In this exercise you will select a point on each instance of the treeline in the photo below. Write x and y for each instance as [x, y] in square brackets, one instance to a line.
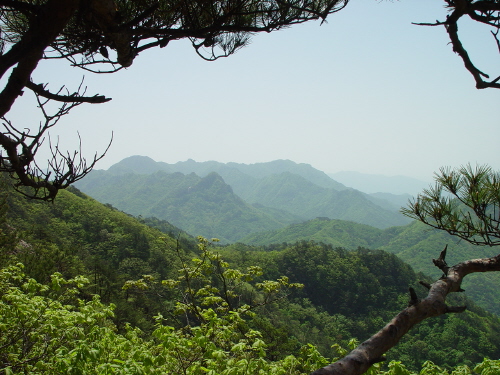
[345, 295]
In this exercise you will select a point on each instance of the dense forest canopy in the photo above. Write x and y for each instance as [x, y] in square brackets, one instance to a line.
[99, 268]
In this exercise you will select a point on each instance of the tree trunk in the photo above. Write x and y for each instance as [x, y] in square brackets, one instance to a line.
[25, 54]
[372, 350]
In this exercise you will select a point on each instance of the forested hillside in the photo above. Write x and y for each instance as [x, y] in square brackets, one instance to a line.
[230, 201]
[76, 235]
[346, 294]
[415, 243]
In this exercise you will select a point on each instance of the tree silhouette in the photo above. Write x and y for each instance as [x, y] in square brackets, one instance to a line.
[104, 36]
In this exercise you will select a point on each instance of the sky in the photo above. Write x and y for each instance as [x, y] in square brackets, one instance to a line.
[367, 92]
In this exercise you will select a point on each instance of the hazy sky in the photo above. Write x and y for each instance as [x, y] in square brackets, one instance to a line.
[367, 91]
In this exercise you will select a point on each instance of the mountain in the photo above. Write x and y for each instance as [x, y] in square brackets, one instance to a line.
[238, 175]
[204, 206]
[247, 198]
[390, 201]
[301, 197]
[372, 183]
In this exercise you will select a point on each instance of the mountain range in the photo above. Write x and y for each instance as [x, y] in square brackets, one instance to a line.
[230, 200]
[278, 202]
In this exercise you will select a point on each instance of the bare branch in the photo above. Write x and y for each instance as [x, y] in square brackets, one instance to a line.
[452, 29]
[495, 35]
[485, 12]
[21, 147]
[437, 23]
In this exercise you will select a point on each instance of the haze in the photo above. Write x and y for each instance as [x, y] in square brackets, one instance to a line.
[367, 91]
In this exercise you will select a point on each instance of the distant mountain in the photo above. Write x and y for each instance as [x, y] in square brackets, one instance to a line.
[389, 201]
[240, 176]
[203, 206]
[372, 183]
[301, 197]
[247, 199]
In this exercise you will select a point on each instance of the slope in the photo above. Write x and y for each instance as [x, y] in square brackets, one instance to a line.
[301, 197]
[201, 206]
[415, 243]
[77, 235]
[276, 196]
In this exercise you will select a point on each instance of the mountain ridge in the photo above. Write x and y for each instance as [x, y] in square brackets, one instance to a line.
[140, 186]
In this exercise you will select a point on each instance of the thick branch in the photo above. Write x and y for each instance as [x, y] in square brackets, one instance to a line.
[452, 30]
[371, 351]
[50, 21]
[483, 11]
[73, 98]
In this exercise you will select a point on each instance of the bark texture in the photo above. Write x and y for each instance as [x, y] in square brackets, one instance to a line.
[372, 350]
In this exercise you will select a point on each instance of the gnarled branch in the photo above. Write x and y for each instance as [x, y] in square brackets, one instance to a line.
[371, 351]
[485, 12]
[21, 147]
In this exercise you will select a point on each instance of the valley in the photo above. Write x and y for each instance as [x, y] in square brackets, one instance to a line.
[355, 276]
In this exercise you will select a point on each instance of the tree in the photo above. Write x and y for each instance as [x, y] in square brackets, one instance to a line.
[483, 11]
[465, 203]
[105, 36]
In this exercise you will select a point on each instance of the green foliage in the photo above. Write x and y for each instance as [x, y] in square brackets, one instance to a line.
[488, 367]
[207, 283]
[415, 244]
[464, 202]
[354, 293]
[48, 329]
[77, 235]
[39, 320]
